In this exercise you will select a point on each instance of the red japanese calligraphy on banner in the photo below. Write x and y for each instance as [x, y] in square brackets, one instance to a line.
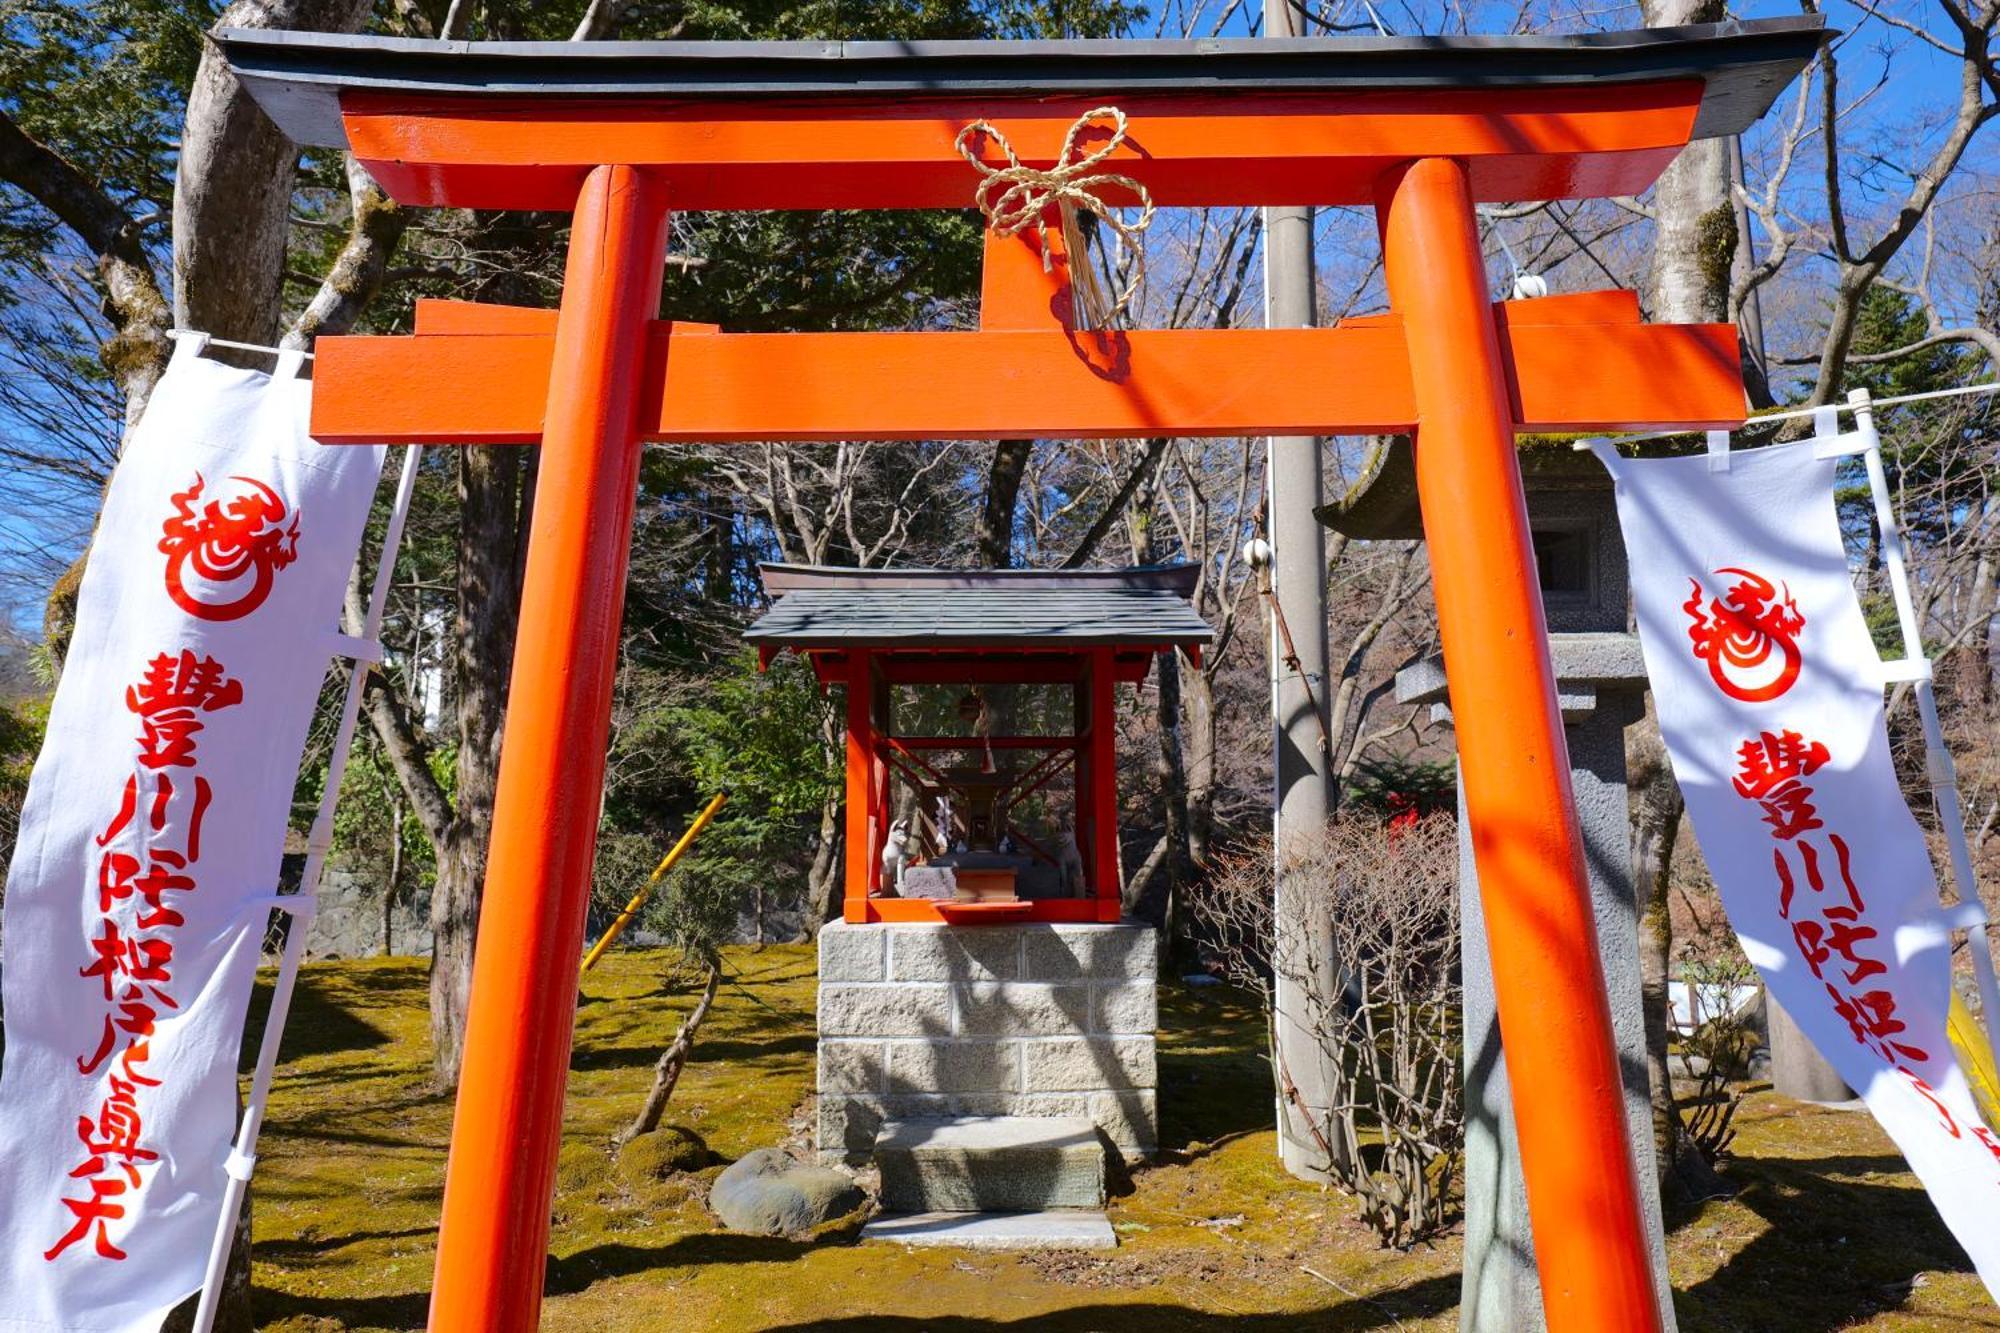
[1749, 638]
[135, 964]
[154, 826]
[1769, 694]
[1829, 923]
[212, 550]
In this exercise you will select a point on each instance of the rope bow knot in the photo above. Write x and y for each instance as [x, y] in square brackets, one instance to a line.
[1016, 197]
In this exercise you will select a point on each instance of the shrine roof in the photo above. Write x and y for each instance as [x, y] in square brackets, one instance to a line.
[824, 607]
[298, 77]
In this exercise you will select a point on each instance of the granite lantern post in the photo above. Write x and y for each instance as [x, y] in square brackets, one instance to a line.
[1601, 685]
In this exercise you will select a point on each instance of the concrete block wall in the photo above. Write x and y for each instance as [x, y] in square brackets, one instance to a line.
[1032, 1020]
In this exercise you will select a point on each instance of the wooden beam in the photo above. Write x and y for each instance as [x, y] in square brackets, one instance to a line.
[1350, 379]
[981, 742]
[1016, 291]
[1102, 792]
[1189, 148]
[436, 315]
[859, 842]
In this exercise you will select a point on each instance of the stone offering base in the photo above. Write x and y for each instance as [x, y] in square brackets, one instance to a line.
[940, 1021]
[1068, 1230]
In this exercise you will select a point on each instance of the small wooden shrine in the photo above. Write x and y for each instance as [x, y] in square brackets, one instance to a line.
[976, 700]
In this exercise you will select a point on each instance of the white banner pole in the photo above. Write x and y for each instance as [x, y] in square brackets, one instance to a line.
[242, 1159]
[1938, 766]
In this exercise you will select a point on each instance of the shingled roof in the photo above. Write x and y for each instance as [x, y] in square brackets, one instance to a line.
[299, 78]
[824, 607]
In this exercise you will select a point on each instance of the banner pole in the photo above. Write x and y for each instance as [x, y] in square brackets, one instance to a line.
[242, 1159]
[1938, 766]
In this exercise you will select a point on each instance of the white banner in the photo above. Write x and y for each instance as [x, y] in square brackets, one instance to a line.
[151, 839]
[1769, 691]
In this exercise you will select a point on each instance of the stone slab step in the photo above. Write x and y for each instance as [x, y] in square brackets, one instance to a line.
[983, 1164]
[1078, 1230]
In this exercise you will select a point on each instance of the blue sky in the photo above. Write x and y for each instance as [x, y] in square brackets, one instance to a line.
[1896, 119]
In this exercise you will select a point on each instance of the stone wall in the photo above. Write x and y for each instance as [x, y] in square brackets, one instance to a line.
[1033, 1020]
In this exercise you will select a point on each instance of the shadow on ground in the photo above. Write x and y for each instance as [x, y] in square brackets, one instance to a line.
[1431, 1296]
[321, 1023]
[721, 1050]
[578, 1271]
[1838, 1247]
[1209, 1054]
[405, 1311]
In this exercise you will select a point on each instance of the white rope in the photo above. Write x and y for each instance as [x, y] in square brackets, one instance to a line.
[206, 340]
[243, 1154]
[1524, 284]
[1797, 414]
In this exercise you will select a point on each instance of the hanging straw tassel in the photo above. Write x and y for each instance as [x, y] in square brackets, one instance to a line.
[1016, 197]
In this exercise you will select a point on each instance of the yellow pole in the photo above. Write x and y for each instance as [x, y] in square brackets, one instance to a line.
[624, 918]
[1976, 1054]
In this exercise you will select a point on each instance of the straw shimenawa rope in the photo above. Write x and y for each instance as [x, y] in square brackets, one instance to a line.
[1016, 197]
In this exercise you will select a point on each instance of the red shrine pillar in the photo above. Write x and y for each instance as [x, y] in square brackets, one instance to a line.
[1105, 872]
[865, 782]
[495, 1229]
[1562, 1062]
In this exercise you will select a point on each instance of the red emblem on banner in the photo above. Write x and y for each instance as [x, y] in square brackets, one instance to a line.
[1748, 636]
[234, 546]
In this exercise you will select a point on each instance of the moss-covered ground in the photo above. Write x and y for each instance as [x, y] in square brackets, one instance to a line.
[1827, 1231]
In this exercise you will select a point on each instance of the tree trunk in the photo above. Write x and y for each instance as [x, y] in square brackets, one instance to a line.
[233, 188]
[492, 529]
[1003, 489]
[667, 1071]
[454, 922]
[1694, 243]
[1149, 894]
[1198, 749]
[231, 217]
[395, 877]
[824, 882]
[1694, 252]
[1655, 829]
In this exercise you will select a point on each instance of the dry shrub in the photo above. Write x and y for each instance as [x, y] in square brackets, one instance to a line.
[1374, 962]
[1715, 1055]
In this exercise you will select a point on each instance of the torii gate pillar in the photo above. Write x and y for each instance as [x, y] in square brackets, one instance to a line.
[530, 945]
[1590, 1240]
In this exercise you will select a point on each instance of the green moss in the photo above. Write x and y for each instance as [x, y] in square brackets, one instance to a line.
[667, 1151]
[1715, 239]
[581, 1166]
[1828, 1231]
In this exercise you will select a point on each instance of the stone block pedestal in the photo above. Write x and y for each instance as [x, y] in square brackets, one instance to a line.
[928, 1022]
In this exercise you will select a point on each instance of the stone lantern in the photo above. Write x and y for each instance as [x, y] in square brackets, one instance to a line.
[1600, 685]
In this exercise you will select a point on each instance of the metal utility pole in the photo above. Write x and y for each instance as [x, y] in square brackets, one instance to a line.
[1303, 796]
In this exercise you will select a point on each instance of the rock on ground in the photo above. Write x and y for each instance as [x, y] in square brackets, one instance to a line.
[767, 1193]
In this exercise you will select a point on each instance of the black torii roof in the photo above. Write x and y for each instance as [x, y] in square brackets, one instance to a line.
[298, 77]
[821, 607]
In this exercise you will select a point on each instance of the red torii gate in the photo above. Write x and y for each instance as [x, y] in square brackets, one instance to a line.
[1421, 129]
